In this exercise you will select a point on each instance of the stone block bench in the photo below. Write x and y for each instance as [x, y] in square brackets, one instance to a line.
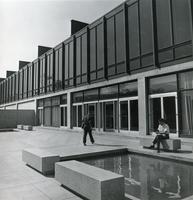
[168, 144]
[27, 127]
[40, 160]
[89, 181]
[19, 126]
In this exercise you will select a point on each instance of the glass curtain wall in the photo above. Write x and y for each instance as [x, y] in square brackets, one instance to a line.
[69, 63]
[30, 80]
[42, 69]
[116, 58]
[16, 85]
[21, 84]
[186, 102]
[25, 82]
[49, 72]
[36, 77]
[81, 58]
[97, 71]
[58, 58]
[140, 34]
[10, 89]
[173, 29]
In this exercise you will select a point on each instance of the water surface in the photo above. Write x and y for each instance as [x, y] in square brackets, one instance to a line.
[149, 178]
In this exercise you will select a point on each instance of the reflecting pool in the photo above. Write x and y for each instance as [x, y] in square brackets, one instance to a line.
[149, 178]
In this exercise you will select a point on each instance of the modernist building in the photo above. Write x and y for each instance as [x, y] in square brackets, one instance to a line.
[127, 69]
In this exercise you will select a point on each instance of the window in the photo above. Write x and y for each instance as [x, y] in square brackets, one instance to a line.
[21, 84]
[63, 99]
[16, 86]
[174, 29]
[25, 81]
[13, 87]
[120, 42]
[69, 64]
[10, 89]
[30, 78]
[111, 43]
[36, 77]
[186, 80]
[58, 68]
[77, 97]
[128, 89]
[42, 74]
[110, 92]
[81, 59]
[181, 21]
[163, 84]
[49, 73]
[164, 29]
[186, 99]
[97, 52]
[91, 95]
[116, 44]
[134, 46]
[140, 34]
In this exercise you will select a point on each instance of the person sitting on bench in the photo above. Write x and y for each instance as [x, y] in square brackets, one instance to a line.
[162, 133]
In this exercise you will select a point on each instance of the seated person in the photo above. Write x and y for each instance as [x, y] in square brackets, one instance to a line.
[162, 134]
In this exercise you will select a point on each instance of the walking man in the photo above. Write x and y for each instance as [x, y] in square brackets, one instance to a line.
[86, 126]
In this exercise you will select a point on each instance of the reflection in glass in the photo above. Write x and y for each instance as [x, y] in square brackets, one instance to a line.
[128, 89]
[163, 84]
[186, 113]
[109, 92]
[91, 95]
[186, 80]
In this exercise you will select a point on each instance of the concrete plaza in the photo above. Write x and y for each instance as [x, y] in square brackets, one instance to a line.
[20, 182]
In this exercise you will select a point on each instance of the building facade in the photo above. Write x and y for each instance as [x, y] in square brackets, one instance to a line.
[127, 69]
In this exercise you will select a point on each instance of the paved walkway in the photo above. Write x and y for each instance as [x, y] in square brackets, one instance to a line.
[19, 182]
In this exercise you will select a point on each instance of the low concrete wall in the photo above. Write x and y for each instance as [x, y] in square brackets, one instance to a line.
[41, 160]
[89, 181]
[11, 118]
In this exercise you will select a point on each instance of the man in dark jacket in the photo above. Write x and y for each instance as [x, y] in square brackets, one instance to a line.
[86, 126]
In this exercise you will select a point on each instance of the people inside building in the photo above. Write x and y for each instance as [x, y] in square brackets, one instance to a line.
[162, 133]
[87, 127]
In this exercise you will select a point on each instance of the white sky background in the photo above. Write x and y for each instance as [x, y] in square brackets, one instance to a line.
[25, 24]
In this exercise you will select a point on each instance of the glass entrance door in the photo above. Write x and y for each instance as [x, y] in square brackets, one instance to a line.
[40, 117]
[129, 114]
[163, 107]
[109, 116]
[91, 111]
[64, 116]
[77, 115]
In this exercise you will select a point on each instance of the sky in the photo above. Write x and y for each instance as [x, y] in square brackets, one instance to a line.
[25, 24]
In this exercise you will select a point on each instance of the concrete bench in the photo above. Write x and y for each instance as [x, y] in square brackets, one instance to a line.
[40, 160]
[27, 127]
[168, 144]
[89, 181]
[19, 126]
